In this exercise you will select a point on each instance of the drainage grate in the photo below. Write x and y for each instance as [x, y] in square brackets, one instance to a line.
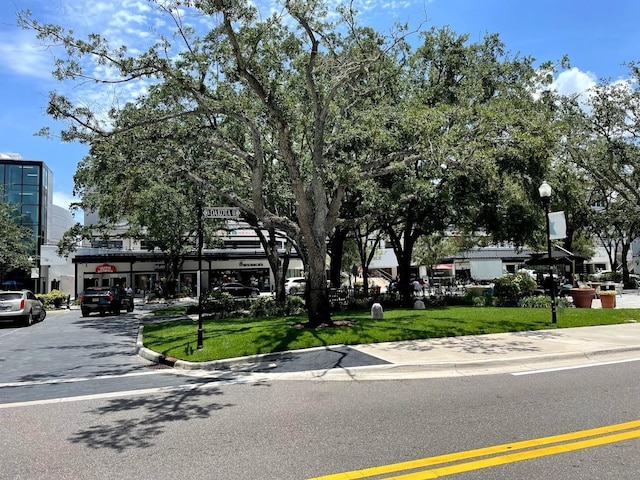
[157, 366]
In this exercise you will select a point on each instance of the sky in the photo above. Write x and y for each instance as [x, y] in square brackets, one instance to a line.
[598, 37]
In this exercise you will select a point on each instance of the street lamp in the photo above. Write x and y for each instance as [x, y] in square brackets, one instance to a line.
[200, 341]
[545, 196]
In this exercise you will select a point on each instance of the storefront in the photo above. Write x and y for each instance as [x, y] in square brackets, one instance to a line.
[145, 271]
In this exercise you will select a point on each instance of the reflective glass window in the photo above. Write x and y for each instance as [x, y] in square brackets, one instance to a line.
[13, 175]
[13, 193]
[30, 214]
[30, 175]
[30, 194]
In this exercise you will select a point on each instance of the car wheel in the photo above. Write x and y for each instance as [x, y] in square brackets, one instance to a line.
[85, 313]
[43, 315]
[293, 291]
[29, 320]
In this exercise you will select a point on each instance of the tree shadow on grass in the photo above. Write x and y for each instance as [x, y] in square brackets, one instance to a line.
[128, 423]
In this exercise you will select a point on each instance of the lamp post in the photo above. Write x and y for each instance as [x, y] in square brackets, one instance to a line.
[200, 343]
[545, 196]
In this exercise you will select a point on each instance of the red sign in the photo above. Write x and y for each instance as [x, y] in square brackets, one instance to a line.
[105, 268]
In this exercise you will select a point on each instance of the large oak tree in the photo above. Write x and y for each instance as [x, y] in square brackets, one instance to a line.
[274, 101]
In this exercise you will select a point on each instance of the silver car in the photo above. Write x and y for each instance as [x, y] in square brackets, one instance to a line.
[22, 307]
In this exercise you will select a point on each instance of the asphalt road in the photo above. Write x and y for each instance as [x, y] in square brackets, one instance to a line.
[77, 403]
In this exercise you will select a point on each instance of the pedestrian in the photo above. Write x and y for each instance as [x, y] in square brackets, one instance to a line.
[417, 288]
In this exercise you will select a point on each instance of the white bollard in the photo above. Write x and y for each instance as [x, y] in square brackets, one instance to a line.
[376, 311]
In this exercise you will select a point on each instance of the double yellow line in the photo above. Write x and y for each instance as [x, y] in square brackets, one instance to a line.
[497, 455]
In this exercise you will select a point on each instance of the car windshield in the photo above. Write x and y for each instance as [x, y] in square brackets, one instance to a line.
[10, 296]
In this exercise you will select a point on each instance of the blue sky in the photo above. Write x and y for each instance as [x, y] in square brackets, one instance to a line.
[597, 36]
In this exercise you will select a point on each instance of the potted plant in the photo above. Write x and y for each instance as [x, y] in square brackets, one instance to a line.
[607, 298]
[582, 296]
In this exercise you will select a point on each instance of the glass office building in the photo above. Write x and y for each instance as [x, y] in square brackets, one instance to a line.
[28, 185]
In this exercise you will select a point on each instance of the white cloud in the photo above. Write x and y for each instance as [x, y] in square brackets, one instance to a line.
[63, 199]
[574, 81]
[21, 54]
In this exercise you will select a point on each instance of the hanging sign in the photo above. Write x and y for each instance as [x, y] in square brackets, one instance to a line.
[557, 226]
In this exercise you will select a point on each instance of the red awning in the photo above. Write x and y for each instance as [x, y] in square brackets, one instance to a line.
[444, 266]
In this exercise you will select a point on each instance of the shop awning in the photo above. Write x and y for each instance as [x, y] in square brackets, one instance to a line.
[444, 266]
[557, 258]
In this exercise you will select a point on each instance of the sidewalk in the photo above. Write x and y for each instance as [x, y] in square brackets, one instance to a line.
[451, 356]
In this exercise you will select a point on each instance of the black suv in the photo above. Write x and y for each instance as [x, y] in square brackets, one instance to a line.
[105, 299]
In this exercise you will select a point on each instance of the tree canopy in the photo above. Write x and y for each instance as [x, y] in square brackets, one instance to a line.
[311, 127]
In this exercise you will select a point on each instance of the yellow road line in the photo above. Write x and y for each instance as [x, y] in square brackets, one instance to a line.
[495, 450]
[518, 457]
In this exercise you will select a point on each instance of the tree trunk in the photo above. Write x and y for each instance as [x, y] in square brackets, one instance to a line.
[278, 266]
[336, 250]
[318, 306]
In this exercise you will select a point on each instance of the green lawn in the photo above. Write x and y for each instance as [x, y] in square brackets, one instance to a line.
[228, 338]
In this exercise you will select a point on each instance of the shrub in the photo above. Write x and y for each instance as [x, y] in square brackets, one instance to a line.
[216, 302]
[268, 307]
[611, 277]
[542, 301]
[54, 298]
[478, 301]
[612, 293]
[510, 288]
[459, 300]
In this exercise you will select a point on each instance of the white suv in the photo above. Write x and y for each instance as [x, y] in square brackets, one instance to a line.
[295, 285]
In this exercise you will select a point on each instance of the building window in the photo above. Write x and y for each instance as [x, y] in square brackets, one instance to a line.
[112, 244]
[30, 175]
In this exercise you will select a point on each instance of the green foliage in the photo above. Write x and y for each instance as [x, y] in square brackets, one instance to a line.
[510, 288]
[612, 277]
[268, 307]
[479, 301]
[219, 302]
[15, 241]
[605, 293]
[542, 301]
[55, 298]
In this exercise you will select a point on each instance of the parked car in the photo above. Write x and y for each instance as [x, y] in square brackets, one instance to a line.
[295, 285]
[21, 306]
[103, 300]
[237, 290]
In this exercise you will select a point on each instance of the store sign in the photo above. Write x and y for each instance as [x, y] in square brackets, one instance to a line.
[254, 265]
[105, 268]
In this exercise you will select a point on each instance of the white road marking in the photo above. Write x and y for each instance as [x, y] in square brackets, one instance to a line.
[589, 365]
[9, 333]
[97, 396]
[82, 379]
[125, 393]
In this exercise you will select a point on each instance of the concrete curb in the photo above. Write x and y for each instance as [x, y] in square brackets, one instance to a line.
[224, 364]
[380, 372]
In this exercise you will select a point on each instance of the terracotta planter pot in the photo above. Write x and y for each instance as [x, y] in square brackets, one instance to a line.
[582, 297]
[608, 301]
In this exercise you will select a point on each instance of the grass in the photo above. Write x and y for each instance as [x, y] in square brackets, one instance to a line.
[228, 338]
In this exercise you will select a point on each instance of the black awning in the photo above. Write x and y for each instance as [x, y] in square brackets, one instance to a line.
[557, 258]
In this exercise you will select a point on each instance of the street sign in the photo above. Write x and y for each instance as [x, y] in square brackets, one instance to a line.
[220, 212]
